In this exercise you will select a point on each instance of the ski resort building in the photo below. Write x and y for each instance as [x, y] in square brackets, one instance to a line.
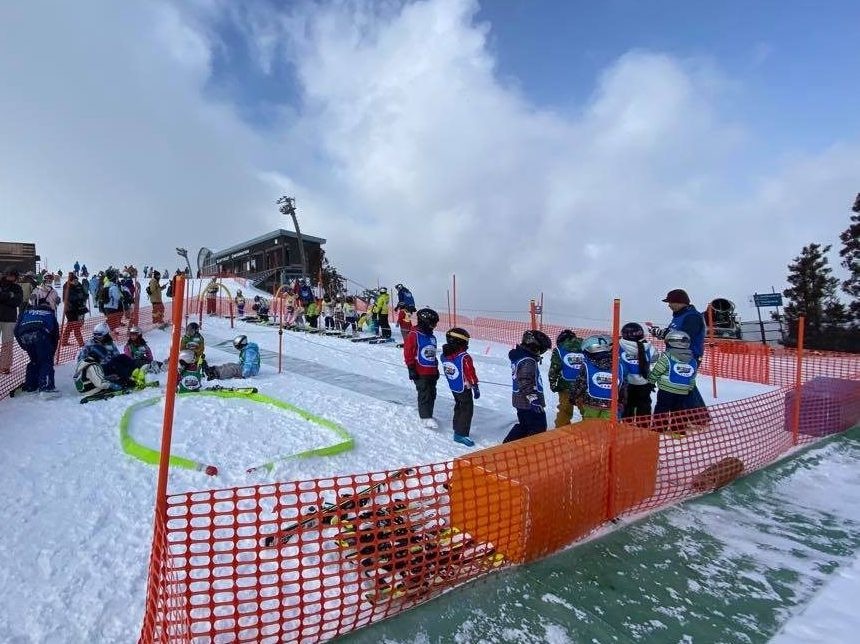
[18, 255]
[270, 258]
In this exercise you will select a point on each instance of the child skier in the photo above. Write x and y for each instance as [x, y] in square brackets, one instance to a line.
[674, 374]
[527, 397]
[261, 306]
[247, 367]
[190, 372]
[459, 370]
[239, 301]
[419, 354]
[637, 355]
[138, 350]
[564, 368]
[193, 340]
[592, 390]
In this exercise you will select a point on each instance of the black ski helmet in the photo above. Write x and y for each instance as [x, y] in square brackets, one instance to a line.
[192, 328]
[633, 331]
[536, 341]
[564, 336]
[427, 318]
[457, 337]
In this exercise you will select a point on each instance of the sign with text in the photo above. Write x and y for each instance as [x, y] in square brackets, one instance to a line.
[768, 299]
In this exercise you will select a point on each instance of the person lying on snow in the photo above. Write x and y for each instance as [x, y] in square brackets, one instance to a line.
[116, 367]
[247, 367]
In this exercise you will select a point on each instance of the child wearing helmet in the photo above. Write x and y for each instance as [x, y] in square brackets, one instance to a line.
[527, 396]
[380, 308]
[459, 370]
[138, 350]
[419, 354]
[116, 366]
[261, 307]
[564, 368]
[247, 367]
[193, 340]
[190, 372]
[674, 373]
[637, 356]
[592, 390]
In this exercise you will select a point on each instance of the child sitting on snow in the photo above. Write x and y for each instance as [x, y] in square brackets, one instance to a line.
[190, 372]
[138, 350]
[248, 365]
[193, 341]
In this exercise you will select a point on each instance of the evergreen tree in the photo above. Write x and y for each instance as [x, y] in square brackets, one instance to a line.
[850, 254]
[813, 292]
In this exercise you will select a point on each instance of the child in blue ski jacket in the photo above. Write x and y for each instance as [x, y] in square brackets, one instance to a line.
[247, 367]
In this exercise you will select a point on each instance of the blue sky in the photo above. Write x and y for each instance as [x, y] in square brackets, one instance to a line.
[583, 150]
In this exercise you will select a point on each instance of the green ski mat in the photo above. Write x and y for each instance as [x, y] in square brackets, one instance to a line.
[731, 566]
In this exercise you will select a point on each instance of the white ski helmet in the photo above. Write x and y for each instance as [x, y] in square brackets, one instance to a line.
[240, 341]
[187, 357]
[677, 339]
[101, 331]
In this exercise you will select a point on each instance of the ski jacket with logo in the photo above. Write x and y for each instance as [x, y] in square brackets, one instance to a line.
[36, 325]
[419, 351]
[101, 353]
[675, 371]
[405, 298]
[459, 370]
[630, 360]
[565, 364]
[249, 358]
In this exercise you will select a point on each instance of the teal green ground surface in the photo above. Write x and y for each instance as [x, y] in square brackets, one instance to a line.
[727, 567]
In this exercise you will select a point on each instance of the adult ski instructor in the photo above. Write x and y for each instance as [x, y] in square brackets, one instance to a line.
[686, 318]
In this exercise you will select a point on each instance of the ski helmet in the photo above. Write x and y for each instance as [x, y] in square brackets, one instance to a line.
[192, 329]
[676, 339]
[428, 318]
[399, 287]
[383, 289]
[187, 357]
[133, 330]
[240, 341]
[536, 341]
[564, 336]
[256, 298]
[101, 332]
[633, 331]
[457, 337]
[595, 344]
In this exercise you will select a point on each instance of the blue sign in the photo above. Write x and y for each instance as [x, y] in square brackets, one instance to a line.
[768, 299]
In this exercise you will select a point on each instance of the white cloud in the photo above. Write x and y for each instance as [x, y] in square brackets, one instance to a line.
[408, 154]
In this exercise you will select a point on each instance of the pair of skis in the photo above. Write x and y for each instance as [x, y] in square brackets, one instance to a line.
[107, 394]
[330, 514]
[240, 390]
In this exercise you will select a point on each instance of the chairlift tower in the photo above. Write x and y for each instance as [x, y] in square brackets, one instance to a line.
[288, 207]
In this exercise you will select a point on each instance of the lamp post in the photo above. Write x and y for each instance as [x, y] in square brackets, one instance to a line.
[182, 252]
[288, 207]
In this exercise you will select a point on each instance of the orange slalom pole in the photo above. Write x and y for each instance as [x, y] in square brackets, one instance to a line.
[541, 311]
[613, 409]
[450, 319]
[798, 381]
[713, 347]
[533, 314]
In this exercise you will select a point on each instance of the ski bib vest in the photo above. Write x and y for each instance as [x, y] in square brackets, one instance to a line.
[138, 351]
[599, 381]
[697, 344]
[426, 350]
[453, 370]
[190, 380]
[682, 374]
[538, 379]
[571, 363]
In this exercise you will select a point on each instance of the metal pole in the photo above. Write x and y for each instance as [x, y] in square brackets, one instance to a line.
[455, 299]
[288, 207]
[760, 323]
[713, 347]
[533, 314]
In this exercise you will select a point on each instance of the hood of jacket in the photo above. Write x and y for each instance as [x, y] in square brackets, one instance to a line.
[519, 352]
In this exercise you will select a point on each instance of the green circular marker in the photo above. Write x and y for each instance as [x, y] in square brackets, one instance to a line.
[152, 456]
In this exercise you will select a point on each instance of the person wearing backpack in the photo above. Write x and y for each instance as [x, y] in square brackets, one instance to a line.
[110, 300]
[74, 308]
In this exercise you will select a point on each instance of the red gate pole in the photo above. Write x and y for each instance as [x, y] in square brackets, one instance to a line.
[450, 319]
[533, 314]
[798, 381]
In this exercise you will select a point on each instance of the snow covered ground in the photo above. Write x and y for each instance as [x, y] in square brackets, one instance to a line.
[78, 513]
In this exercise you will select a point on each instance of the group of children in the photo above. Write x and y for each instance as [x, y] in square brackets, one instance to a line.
[101, 367]
[580, 373]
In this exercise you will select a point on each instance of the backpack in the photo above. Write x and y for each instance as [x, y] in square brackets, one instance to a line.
[102, 295]
[126, 299]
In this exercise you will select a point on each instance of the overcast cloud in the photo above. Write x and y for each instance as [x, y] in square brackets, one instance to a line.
[405, 151]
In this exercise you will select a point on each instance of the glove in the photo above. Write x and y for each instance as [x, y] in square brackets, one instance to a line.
[114, 386]
[413, 373]
[656, 332]
[534, 403]
[475, 391]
